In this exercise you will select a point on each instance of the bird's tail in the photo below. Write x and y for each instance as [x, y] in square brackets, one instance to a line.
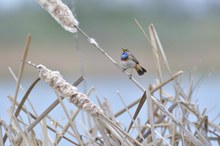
[140, 70]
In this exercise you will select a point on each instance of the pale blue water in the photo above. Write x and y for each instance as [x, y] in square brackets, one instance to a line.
[42, 96]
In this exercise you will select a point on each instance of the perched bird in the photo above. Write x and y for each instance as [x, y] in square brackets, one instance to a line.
[129, 61]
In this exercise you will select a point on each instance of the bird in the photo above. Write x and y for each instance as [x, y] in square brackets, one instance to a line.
[129, 61]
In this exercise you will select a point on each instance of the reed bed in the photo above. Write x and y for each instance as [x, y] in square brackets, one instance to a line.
[162, 127]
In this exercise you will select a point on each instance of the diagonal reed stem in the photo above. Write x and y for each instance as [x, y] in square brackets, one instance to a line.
[51, 107]
[162, 108]
[21, 70]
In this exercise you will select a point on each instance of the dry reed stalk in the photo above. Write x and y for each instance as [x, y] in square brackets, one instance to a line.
[141, 103]
[20, 73]
[151, 117]
[50, 128]
[20, 106]
[111, 132]
[25, 97]
[159, 120]
[8, 132]
[132, 118]
[1, 138]
[25, 136]
[152, 91]
[51, 107]
[72, 125]
[64, 89]
[156, 60]
[93, 42]
[59, 136]
[164, 59]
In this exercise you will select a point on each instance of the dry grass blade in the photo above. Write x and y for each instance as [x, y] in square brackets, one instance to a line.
[161, 119]
[58, 138]
[26, 48]
[164, 58]
[154, 34]
[8, 132]
[92, 41]
[26, 96]
[132, 118]
[152, 91]
[173, 118]
[22, 102]
[156, 59]
[142, 29]
[73, 127]
[141, 103]
[51, 107]
[1, 139]
[151, 117]
[50, 128]
[175, 121]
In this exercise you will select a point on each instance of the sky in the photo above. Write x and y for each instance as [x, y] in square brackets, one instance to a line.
[195, 5]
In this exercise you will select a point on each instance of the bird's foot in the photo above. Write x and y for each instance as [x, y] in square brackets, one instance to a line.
[130, 76]
[123, 69]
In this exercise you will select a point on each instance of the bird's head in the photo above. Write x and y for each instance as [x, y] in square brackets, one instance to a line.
[124, 49]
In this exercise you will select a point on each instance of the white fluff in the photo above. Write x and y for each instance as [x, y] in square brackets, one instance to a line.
[65, 89]
[61, 13]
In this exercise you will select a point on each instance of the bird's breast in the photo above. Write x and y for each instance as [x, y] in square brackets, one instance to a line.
[128, 63]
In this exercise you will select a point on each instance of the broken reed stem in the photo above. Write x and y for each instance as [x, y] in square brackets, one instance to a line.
[22, 102]
[152, 91]
[1, 138]
[25, 97]
[151, 117]
[8, 132]
[164, 59]
[176, 122]
[20, 73]
[50, 128]
[141, 103]
[161, 119]
[132, 118]
[64, 89]
[51, 107]
[59, 136]
[20, 106]
[77, 135]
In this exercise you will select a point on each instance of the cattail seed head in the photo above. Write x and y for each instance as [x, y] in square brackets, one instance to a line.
[61, 13]
[65, 89]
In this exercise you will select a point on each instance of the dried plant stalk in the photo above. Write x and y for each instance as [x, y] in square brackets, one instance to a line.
[26, 48]
[64, 89]
[111, 131]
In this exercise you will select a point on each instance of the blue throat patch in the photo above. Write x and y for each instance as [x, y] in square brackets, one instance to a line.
[124, 56]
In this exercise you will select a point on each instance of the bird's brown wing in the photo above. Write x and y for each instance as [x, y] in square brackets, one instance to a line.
[131, 56]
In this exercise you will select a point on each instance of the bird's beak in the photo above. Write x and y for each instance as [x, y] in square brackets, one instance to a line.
[123, 49]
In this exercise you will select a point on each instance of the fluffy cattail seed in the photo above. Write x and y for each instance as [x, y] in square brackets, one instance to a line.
[61, 13]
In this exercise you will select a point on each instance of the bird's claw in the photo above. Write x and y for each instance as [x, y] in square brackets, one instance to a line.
[123, 69]
[129, 76]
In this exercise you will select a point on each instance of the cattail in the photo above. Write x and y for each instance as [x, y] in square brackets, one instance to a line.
[65, 89]
[112, 134]
[61, 13]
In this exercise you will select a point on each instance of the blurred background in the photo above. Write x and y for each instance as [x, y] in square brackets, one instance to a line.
[189, 32]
